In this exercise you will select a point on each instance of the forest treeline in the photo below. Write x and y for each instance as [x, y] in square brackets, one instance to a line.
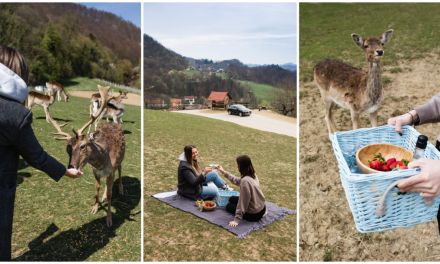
[61, 40]
[271, 74]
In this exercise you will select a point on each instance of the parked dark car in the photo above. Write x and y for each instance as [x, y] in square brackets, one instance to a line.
[239, 110]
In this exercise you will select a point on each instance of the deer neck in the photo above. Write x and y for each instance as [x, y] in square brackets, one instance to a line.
[374, 80]
[99, 157]
[118, 99]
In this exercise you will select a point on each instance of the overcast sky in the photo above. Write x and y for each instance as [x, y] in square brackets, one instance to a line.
[258, 33]
[128, 11]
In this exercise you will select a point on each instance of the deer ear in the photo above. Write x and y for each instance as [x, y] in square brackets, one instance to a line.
[94, 135]
[386, 36]
[358, 40]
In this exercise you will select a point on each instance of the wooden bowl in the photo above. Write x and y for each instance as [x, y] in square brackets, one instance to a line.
[209, 208]
[388, 151]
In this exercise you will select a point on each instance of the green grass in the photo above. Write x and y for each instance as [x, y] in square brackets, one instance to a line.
[173, 235]
[52, 221]
[326, 28]
[260, 90]
[85, 84]
[190, 73]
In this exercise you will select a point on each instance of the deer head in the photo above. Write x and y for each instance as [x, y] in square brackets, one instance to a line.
[373, 46]
[123, 94]
[80, 147]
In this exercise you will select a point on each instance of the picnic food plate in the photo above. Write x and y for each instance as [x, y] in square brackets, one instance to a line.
[388, 151]
[209, 206]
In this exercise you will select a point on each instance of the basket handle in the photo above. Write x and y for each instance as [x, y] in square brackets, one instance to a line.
[381, 207]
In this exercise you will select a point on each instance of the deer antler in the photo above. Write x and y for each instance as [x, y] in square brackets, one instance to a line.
[58, 127]
[105, 99]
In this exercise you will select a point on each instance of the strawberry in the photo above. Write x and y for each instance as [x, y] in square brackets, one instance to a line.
[391, 161]
[403, 168]
[386, 167]
[394, 165]
[375, 165]
[400, 163]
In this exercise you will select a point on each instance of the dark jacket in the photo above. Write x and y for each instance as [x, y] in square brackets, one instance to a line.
[17, 138]
[189, 184]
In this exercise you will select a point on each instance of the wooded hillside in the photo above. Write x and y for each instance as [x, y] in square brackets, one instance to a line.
[61, 40]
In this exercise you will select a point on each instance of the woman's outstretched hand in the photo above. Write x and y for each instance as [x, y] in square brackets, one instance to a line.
[403, 120]
[220, 168]
[73, 173]
[427, 182]
[233, 223]
[207, 170]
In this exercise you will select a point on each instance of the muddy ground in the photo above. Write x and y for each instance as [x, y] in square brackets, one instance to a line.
[327, 229]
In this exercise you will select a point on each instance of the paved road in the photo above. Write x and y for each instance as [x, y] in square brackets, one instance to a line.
[253, 121]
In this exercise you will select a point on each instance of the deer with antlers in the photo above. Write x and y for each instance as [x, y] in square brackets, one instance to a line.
[42, 100]
[59, 87]
[353, 88]
[103, 150]
[115, 109]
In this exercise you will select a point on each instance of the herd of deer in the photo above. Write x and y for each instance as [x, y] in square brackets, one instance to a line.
[104, 149]
[353, 88]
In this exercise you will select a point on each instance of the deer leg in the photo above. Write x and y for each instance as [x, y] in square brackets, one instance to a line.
[373, 118]
[97, 186]
[59, 97]
[104, 196]
[46, 110]
[109, 186]
[121, 188]
[355, 119]
[329, 117]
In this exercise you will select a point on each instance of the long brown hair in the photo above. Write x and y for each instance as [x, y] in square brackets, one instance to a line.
[195, 165]
[245, 166]
[14, 61]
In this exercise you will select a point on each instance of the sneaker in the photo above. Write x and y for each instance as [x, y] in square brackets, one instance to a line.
[226, 188]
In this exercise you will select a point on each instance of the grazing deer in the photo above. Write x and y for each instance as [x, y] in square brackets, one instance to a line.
[43, 100]
[115, 109]
[353, 88]
[59, 87]
[103, 150]
[96, 99]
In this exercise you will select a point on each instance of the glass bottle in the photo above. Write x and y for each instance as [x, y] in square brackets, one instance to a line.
[419, 152]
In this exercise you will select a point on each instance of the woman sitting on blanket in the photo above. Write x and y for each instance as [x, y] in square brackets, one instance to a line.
[250, 205]
[191, 178]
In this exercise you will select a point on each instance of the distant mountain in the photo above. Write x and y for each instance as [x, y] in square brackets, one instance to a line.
[266, 74]
[288, 66]
[216, 64]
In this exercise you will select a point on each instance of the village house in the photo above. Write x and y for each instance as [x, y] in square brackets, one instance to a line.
[175, 102]
[220, 100]
[155, 103]
[189, 99]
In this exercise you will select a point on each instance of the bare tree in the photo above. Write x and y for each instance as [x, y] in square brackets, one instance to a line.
[284, 98]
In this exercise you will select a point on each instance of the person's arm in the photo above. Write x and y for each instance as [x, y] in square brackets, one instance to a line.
[243, 202]
[235, 180]
[427, 183]
[188, 174]
[30, 149]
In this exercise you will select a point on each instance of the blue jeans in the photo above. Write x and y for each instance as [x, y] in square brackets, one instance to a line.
[211, 190]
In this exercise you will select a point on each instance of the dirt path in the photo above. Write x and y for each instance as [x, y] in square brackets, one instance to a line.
[133, 99]
[327, 229]
[256, 121]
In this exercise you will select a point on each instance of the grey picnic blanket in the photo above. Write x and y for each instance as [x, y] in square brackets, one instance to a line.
[221, 217]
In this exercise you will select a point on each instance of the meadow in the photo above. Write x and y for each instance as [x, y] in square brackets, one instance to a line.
[53, 221]
[410, 75]
[173, 235]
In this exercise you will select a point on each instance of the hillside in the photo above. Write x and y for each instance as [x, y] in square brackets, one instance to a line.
[61, 40]
[271, 74]
[288, 66]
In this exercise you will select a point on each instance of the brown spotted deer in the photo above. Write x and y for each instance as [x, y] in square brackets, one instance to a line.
[353, 88]
[42, 100]
[103, 150]
[59, 87]
[115, 109]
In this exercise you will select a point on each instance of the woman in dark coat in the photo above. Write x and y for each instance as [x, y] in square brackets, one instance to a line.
[190, 178]
[17, 139]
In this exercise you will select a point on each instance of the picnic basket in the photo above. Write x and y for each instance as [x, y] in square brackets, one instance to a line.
[364, 191]
[223, 197]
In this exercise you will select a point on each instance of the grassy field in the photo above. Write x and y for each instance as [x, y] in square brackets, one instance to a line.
[173, 235]
[326, 29]
[260, 90]
[52, 221]
[190, 73]
[84, 84]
